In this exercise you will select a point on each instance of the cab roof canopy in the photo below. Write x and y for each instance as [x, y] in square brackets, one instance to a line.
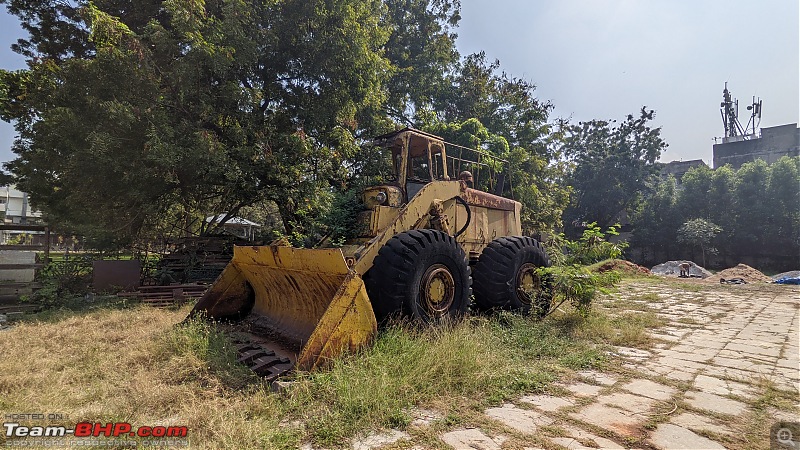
[418, 142]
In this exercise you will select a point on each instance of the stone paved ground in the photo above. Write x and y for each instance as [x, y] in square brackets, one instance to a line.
[723, 349]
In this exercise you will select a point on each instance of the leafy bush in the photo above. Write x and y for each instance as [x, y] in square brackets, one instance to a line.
[342, 218]
[577, 285]
[593, 246]
[569, 279]
[63, 279]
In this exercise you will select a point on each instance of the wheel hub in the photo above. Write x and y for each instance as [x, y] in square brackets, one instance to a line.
[438, 289]
[528, 283]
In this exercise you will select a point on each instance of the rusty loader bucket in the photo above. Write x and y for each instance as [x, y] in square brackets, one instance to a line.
[290, 308]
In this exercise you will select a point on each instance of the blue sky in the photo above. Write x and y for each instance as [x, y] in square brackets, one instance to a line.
[604, 59]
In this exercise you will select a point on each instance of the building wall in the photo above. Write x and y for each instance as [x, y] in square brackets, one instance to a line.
[679, 168]
[775, 142]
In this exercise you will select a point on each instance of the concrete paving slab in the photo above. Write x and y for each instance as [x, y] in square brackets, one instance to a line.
[598, 377]
[424, 417]
[591, 439]
[685, 355]
[522, 420]
[472, 439]
[547, 402]
[715, 403]
[668, 437]
[633, 353]
[570, 443]
[623, 423]
[722, 387]
[651, 389]
[756, 359]
[743, 363]
[664, 337]
[378, 440]
[696, 422]
[679, 364]
[628, 402]
[693, 349]
[583, 389]
[679, 375]
[742, 376]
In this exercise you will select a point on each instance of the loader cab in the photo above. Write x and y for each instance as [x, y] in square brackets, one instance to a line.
[417, 159]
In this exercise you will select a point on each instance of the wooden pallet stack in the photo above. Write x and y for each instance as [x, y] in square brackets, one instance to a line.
[167, 296]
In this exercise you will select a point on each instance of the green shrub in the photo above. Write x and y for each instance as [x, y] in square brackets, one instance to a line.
[62, 280]
[577, 285]
[593, 246]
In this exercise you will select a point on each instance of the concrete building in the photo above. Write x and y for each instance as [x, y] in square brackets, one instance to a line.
[771, 145]
[679, 168]
[15, 206]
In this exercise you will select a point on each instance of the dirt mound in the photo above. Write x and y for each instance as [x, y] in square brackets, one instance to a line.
[673, 269]
[622, 267]
[742, 271]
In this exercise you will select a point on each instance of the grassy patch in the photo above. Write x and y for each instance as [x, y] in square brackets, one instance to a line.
[685, 286]
[637, 302]
[754, 426]
[629, 329]
[689, 321]
[106, 361]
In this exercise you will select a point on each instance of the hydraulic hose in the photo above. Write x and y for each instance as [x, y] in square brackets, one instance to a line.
[469, 216]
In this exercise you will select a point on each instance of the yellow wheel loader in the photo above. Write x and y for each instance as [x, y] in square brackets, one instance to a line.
[427, 242]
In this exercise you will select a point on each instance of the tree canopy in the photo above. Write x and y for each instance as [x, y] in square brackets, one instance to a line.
[175, 110]
[136, 118]
[181, 109]
[755, 208]
[611, 165]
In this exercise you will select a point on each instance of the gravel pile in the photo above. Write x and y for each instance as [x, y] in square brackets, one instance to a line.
[791, 274]
[673, 269]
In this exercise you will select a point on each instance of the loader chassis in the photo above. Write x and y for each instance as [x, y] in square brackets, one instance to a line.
[424, 240]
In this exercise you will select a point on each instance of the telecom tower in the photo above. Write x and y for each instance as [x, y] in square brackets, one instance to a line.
[729, 109]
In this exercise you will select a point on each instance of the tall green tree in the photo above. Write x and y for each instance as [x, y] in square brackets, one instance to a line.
[699, 233]
[695, 190]
[783, 194]
[422, 52]
[178, 109]
[755, 207]
[487, 108]
[612, 165]
[656, 220]
[751, 206]
[507, 106]
[188, 108]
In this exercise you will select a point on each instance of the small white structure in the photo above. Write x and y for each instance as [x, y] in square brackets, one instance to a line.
[236, 226]
[15, 204]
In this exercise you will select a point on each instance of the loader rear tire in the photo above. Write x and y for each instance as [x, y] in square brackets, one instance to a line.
[506, 277]
[421, 274]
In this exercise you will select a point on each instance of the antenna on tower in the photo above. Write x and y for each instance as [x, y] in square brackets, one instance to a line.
[729, 108]
[755, 115]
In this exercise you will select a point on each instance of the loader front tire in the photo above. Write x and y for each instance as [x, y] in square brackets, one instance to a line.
[423, 275]
[506, 276]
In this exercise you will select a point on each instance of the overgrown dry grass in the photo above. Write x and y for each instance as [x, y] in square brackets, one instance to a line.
[138, 365]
